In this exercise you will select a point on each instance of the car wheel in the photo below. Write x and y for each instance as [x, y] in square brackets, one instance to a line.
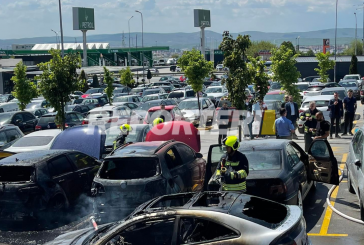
[58, 203]
[299, 199]
[350, 186]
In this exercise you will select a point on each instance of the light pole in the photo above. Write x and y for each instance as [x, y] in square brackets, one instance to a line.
[129, 58]
[335, 41]
[60, 23]
[298, 44]
[56, 37]
[362, 7]
[356, 28]
[141, 14]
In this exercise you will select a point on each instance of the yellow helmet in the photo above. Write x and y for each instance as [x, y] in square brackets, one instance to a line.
[232, 141]
[125, 128]
[157, 121]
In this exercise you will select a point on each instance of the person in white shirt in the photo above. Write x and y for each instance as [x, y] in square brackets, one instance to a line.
[258, 110]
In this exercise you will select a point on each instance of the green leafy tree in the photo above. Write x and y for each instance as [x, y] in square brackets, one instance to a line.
[351, 49]
[196, 68]
[82, 82]
[290, 46]
[259, 77]
[353, 65]
[175, 56]
[95, 82]
[257, 46]
[239, 77]
[149, 75]
[58, 81]
[325, 64]
[24, 90]
[126, 77]
[285, 71]
[108, 80]
[310, 53]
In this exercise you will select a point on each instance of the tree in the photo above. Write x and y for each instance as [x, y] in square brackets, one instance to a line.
[257, 46]
[196, 68]
[126, 77]
[175, 56]
[149, 75]
[58, 81]
[259, 77]
[213, 76]
[235, 59]
[82, 82]
[95, 82]
[353, 65]
[285, 71]
[290, 46]
[324, 64]
[108, 81]
[310, 53]
[24, 90]
[351, 49]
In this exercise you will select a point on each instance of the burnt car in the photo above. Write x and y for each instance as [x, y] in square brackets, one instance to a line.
[135, 173]
[280, 170]
[36, 182]
[200, 218]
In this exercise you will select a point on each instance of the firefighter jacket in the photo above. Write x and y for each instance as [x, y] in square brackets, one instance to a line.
[309, 124]
[237, 167]
[120, 140]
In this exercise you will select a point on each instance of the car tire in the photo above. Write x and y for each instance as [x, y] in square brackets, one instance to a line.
[299, 199]
[350, 185]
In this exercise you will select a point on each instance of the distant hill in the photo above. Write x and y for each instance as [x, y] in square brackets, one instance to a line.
[188, 40]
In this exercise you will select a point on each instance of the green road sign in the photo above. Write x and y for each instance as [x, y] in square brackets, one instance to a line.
[202, 18]
[83, 18]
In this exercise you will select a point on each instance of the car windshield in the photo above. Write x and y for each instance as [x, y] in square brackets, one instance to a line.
[342, 93]
[3, 98]
[351, 77]
[302, 87]
[129, 168]
[213, 90]
[33, 141]
[319, 103]
[264, 160]
[348, 84]
[121, 99]
[176, 95]
[114, 132]
[5, 117]
[92, 91]
[188, 105]
[90, 101]
[77, 101]
[275, 97]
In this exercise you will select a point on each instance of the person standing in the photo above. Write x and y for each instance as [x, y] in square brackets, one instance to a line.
[336, 113]
[309, 117]
[283, 126]
[223, 122]
[350, 108]
[258, 110]
[322, 127]
[292, 113]
[285, 101]
[248, 120]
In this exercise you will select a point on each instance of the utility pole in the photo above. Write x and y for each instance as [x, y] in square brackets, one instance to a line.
[362, 7]
[129, 55]
[60, 23]
[141, 14]
[356, 28]
[335, 41]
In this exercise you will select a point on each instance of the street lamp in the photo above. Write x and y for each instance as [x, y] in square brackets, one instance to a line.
[56, 36]
[60, 23]
[356, 28]
[335, 41]
[141, 14]
[129, 58]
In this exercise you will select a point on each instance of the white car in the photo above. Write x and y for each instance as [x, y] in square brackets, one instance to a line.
[217, 92]
[178, 69]
[219, 67]
[39, 140]
[189, 109]
[352, 76]
[322, 104]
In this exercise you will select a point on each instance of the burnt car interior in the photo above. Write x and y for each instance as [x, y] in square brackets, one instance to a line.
[320, 162]
[172, 201]
[129, 168]
[16, 173]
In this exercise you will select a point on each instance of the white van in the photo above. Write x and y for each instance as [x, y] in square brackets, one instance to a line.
[162, 62]
[8, 107]
[171, 61]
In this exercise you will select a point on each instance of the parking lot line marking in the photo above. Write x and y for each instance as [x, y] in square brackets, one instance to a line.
[344, 181]
[328, 214]
[313, 234]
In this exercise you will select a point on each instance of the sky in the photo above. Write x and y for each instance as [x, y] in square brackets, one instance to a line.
[36, 18]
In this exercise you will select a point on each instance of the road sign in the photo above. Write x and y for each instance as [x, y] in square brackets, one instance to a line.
[202, 18]
[83, 18]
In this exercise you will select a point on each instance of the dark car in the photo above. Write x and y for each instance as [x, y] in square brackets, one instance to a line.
[38, 112]
[40, 181]
[98, 101]
[172, 68]
[281, 171]
[47, 121]
[25, 120]
[309, 79]
[200, 218]
[8, 135]
[137, 134]
[83, 109]
[137, 172]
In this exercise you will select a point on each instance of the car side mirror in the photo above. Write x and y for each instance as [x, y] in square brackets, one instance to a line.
[357, 163]
[198, 155]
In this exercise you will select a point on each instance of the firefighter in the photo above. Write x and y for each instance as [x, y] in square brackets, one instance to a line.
[309, 117]
[157, 121]
[233, 168]
[120, 140]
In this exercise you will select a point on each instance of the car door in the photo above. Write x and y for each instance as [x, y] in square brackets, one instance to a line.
[62, 173]
[356, 154]
[322, 165]
[178, 170]
[213, 159]
[18, 121]
[29, 122]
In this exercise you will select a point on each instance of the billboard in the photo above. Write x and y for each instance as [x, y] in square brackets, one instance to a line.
[83, 18]
[326, 45]
[202, 17]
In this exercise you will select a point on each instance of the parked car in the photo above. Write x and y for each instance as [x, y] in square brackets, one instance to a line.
[207, 83]
[6, 98]
[275, 86]
[322, 104]
[151, 97]
[280, 170]
[25, 120]
[144, 107]
[302, 86]
[153, 91]
[44, 183]
[219, 67]
[277, 95]
[351, 84]
[167, 88]
[9, 107]
[48, 121]
[154, 169]
[181, 94]
[166, 78]
[138, 91]
[217, 91]
[98, 101]
[93, 91]
[39, 140]
[190, 111]
[122, 90]
[309, 79]
[137, 134]
[352, 77]
[313, 90]
[330, 91]
[8, 135]
[127, 98]
[38, 112]
[83, 109]
[178, 69]
[170, 113]
[274, 105]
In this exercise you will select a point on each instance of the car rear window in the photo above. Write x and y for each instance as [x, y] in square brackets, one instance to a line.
[96, 114]
[264, 160]
[129, 168]
[46, 119]
[319, 103]
[16, 173]
[342, 93]
[175, 95]
[275, 86]
[33, 141]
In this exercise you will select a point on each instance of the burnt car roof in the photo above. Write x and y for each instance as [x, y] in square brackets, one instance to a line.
[31, 158]
[270, 144]
[139, 148]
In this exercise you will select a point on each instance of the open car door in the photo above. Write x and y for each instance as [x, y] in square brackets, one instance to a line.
[213, 159]
[322, 164]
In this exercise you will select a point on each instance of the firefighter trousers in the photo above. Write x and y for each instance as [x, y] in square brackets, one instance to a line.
[308, 141]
